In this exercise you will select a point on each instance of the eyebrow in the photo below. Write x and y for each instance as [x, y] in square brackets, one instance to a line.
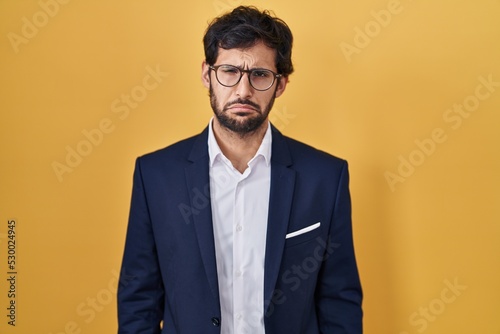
[250, 69]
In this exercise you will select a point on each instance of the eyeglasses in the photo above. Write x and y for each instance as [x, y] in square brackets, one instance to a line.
[259, 78]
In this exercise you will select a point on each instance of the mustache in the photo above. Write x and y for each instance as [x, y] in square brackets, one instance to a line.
[242, 101]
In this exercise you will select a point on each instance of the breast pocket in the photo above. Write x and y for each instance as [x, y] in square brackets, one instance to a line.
[303, 235]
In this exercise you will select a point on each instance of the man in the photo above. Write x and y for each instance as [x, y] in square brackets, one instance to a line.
[240, 229]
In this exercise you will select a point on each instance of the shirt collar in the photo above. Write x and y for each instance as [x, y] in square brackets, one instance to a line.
[264, 148]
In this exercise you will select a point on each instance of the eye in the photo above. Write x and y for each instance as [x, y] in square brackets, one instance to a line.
[261, 73]
[229, 69]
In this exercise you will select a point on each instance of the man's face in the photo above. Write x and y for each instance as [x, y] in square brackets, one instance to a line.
[241, 108]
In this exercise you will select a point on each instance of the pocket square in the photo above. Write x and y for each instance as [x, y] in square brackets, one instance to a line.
[303, 230]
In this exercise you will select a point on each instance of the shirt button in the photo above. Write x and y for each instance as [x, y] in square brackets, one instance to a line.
[216, 321]
[239, 316]
[239, 228]
[238, 273]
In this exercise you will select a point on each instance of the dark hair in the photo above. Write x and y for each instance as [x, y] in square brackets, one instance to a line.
[244, 27]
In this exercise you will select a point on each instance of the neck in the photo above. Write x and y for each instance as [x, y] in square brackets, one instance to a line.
[238, 148]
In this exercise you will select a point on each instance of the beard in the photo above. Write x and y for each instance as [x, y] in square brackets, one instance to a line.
[244, 125]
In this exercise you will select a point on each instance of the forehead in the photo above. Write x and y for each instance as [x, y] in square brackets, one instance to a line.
[258, 55]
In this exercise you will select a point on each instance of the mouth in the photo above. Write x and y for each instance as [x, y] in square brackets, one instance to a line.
[242, 109]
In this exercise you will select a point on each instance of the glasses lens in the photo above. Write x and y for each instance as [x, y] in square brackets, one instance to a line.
[261, 79]
[228, 75]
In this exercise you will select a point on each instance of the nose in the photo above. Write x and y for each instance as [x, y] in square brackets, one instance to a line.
[243, 88]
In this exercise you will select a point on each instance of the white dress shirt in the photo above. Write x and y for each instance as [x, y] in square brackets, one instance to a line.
[240, 205]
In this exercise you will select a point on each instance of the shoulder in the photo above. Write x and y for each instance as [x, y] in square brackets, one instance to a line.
[176, 154]
[304, 155]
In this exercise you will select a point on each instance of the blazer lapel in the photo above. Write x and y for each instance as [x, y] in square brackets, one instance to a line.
[198, 182]
[280, 202]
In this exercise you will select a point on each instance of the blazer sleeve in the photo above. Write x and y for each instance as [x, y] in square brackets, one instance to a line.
[338, 292]
[140, 292]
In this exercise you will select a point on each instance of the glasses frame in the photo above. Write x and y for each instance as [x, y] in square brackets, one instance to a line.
[249, 72]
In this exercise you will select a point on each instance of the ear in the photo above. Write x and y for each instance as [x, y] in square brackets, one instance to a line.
[283, 81]
[205, 74]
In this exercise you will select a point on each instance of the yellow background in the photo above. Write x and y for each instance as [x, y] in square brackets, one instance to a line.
[437, 225]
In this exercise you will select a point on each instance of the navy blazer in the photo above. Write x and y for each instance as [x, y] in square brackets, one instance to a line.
[168, 280]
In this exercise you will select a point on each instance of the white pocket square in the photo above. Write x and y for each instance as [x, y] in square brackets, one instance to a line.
[303, 230]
